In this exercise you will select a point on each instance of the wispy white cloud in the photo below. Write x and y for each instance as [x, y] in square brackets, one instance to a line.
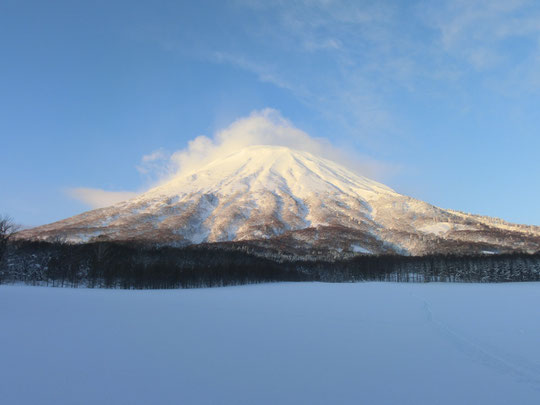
[98, 198]
[156, 155]
[154, 165]
[267, 127]
[265, 72]
[325, 44]
[477, 31]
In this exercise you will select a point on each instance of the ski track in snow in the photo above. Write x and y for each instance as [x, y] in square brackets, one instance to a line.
[520, 369]
[285, 343]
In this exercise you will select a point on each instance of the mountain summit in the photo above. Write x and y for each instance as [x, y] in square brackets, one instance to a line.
[292, 201]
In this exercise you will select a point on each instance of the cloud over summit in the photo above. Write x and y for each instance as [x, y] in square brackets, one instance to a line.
[264, 127]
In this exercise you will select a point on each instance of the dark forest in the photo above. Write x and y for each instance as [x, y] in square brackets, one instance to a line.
[114, 265]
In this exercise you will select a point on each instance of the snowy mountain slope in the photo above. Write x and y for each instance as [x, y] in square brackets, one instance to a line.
[293, 201]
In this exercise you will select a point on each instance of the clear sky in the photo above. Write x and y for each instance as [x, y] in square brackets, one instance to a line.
[442, 96]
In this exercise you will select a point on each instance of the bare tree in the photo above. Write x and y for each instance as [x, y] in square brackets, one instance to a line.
[7, 229]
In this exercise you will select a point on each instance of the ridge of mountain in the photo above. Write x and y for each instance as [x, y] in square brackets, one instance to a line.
[292, 201]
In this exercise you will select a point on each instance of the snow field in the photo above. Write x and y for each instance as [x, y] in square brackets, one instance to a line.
[286, 343]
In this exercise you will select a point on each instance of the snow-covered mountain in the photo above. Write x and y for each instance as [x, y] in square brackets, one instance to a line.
[290, 201]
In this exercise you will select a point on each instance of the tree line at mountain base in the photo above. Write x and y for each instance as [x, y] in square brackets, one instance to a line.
[129, 266]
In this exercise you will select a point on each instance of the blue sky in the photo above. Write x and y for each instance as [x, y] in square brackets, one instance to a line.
[441, 98]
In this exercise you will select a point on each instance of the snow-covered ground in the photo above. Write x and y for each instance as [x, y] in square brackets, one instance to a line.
[305, 343]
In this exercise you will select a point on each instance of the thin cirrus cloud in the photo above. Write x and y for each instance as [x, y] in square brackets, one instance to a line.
[98, 198]
[477, 31]
[375, 54]
[264, 127]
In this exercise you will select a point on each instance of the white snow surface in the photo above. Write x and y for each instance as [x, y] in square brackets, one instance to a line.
[304, 343]
[437, 229]
[261, 168]
[360, 249]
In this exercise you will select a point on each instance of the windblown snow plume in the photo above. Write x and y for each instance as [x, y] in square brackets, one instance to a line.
[265, 127]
